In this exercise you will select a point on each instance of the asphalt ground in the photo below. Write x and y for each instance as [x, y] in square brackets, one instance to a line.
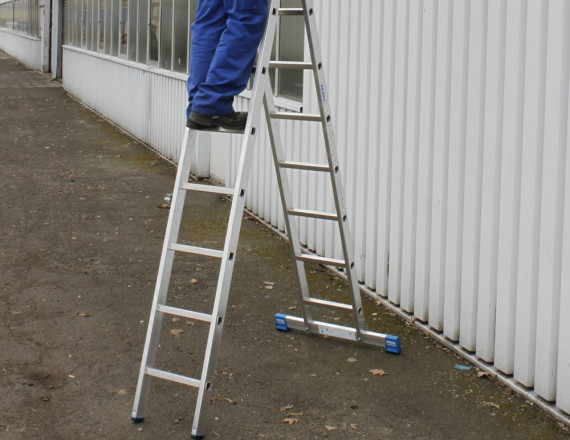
[81, 233]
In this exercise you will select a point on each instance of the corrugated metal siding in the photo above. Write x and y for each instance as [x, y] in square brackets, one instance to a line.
[144, 102]
[25, 49]
[451, 119]
[452, 127]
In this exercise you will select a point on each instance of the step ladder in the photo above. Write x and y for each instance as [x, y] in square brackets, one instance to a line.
[262, 98]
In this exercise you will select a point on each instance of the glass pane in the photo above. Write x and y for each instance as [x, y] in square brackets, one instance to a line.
[101, 25]
[107, 26]
[89, 21]
[78, 24]
[143, 31]
[115, 27]
[153, 32]
[180, 35]
[133, 30]
[291, 41]
[123, 26]
[83, 23]
[166, 35]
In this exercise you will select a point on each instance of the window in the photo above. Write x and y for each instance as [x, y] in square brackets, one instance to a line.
[153, 31]
[290, 41]
[101, 26]
[132, 31]
[182, 33]
[123, 27]
[166, 34]
[157, 32]
[142, 39]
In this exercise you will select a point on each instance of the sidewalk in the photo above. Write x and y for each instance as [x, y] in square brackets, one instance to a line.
[81, 234]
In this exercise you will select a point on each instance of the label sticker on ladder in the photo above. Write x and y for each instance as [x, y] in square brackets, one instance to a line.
[323, 92]
[336, 332]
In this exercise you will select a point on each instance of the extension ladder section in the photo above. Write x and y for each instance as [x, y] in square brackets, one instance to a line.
[262, 98]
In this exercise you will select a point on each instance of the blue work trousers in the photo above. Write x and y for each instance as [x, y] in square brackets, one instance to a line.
[225, 37]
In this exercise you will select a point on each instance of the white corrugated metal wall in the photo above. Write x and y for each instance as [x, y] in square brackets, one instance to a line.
[451, 120]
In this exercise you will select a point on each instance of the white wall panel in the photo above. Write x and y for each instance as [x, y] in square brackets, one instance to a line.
[27, 50]
[486, 296]
[533, 129]
[440, 163]
[510, 180]
[552, 199]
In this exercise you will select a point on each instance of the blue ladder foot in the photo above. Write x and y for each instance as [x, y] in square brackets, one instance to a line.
[281, 322]
[137, 419]
[393, 344]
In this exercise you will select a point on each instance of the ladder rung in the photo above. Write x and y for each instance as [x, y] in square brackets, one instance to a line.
[196, 250]
[304, 166]
[290, 11]
[289, 65]
[172, 377]
[184, 313]
[324, 302]
[207, 188]
[322, 260]
[314, 214]
[314, 117]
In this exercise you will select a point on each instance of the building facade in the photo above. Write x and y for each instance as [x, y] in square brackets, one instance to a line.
[452, 125]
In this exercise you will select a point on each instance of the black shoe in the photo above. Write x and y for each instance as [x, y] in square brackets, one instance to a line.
[235, 121]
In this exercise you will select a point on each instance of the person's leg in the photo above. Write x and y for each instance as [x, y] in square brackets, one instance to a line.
[233, 59]
[206, 32]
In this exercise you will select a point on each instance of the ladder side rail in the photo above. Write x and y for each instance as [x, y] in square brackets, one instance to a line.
[286, 203]
[336, 181]
[234, 226]
[164, 272]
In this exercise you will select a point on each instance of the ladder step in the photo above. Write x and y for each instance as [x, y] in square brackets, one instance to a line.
[314, 214]
[172, 377]
[196, 250]
[184, 313]
[304, 166]
[207, 188]
[322, 260]
[290, 11]
[333, 304]
[290, 65]
[314, 117]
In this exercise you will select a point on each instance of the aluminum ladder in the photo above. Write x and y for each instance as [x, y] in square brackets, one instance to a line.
[262, 97]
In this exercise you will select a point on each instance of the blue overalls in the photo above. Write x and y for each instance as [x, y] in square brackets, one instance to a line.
[225, 37]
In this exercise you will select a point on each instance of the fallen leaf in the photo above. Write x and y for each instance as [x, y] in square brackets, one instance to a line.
[122, 392]
[193, 281]
[290, 421]
[351, 360]
[295, 414]
[84, 315]
[330, 428]
[163, 206]
[378, 372]
[175, 320]
[269, 283]
[268, 287]
[493, 405]
[481, 374]
[285, 408]
[176, 332]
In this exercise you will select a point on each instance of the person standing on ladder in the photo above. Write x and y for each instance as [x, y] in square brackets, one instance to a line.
[225, 37]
